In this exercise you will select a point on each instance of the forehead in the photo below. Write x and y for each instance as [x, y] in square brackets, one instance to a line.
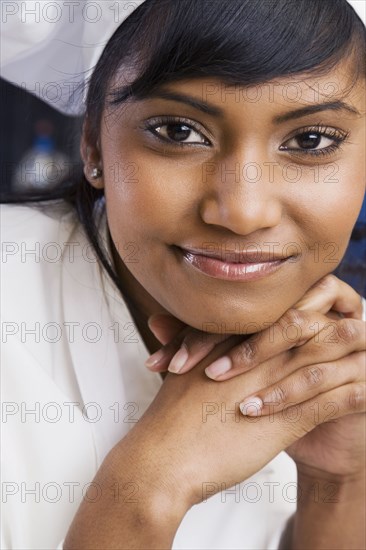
[300, 90]
[340, 83]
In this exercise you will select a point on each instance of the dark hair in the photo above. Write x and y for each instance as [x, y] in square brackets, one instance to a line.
[240, 42]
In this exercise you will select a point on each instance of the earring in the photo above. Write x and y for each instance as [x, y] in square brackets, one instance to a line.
[96, 173]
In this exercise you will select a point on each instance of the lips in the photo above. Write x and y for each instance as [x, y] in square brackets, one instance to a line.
[233, 265]
[235, 257]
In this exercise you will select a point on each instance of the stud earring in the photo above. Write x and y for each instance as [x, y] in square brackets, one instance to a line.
[96, 173]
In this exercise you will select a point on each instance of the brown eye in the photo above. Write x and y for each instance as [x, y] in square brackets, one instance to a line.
[309, 140]
[179, 132]
[316, 141]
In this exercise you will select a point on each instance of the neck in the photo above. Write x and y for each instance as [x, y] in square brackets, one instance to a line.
[139, 302]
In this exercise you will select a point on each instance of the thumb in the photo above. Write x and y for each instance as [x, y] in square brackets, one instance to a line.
[165, 326]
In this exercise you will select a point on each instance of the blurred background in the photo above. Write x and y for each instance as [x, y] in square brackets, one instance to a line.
[40, 148]
[39, 145]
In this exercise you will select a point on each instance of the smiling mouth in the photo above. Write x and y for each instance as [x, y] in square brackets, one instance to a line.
[233, 266]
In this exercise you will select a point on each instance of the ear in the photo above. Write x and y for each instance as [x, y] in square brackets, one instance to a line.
[91, 157]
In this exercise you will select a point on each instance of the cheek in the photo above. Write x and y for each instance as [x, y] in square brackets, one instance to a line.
[148, 196]
[328, 210]
[153, 202]
[149, 202]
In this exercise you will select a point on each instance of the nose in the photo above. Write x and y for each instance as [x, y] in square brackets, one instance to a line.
[241, 204]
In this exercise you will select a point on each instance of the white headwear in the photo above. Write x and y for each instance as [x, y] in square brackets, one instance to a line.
[51, 47]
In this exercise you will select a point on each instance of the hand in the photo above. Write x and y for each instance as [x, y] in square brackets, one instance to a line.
[329, 296]
[313, 366]
[193, 416]
[192, 441]
[331, 367]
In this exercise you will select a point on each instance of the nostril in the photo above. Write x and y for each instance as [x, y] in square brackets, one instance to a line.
[241, 215]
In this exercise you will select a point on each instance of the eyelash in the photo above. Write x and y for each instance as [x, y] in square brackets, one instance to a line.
[339, 136]
[166, 121]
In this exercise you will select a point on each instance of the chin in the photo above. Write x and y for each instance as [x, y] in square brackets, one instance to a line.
[244, 319]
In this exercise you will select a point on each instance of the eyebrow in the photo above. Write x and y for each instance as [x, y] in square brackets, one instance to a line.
[329, 106]
[213, 110]
[188, 100]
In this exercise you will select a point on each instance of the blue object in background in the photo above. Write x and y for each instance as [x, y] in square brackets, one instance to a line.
[353, 266]
[42, 166]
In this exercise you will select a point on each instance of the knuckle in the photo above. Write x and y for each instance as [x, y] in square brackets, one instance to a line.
[312, 376]
[293, 317]
[245, 353]
[348, 331]
[277, 396]
[329, 282]
[356, 397]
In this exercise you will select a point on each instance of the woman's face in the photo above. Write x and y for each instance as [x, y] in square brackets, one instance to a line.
[225, 204]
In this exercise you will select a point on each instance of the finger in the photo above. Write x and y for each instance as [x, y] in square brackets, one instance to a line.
[194, 347]
[186, 349]
[298, 420]
[330, 293]
[337, 339]
[183, 346]
[159, 361]
[306, 383]
[165, 327]
[294, 328]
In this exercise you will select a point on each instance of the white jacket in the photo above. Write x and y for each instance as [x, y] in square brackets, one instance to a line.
[74, 383]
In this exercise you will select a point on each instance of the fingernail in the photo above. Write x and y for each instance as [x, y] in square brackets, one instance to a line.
[218, 367]
[155, 358]
[179, 360]
[251, 406]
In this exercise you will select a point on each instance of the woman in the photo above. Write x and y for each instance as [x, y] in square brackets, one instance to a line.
[223, 150]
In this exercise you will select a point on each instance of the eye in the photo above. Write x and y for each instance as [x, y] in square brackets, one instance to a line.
[317, 140]
[176, 132]
[310, 140]
[179, 132]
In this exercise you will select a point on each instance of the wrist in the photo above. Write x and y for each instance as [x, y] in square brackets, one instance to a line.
[347, 484]
[157, 493]
[133, 510]
[330, 511]
[317, 487]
